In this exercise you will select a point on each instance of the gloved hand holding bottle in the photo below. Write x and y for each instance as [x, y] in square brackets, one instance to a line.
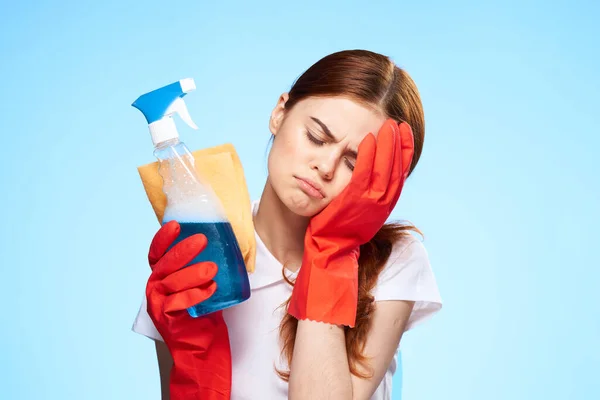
[182, 302]
[326, 289]
[199, 346]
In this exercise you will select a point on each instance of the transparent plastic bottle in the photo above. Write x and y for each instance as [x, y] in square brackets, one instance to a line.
[191, 201]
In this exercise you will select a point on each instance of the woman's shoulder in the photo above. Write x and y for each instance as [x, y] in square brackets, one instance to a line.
[408, 276]
[408, 247]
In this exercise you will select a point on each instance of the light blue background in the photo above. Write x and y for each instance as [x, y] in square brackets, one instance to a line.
[507, 189]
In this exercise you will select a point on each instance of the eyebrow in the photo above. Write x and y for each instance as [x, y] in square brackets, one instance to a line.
[327, 132]
[324, 127]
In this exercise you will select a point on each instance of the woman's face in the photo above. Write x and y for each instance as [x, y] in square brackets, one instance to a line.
[315, 148]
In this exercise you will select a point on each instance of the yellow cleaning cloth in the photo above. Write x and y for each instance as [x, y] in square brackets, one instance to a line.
[221, 168]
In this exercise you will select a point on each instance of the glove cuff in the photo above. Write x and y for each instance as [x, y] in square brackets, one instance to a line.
[327, 294]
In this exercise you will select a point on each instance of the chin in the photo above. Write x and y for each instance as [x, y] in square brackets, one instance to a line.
[302, 205]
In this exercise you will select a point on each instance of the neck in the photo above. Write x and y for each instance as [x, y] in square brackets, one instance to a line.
[281, 230]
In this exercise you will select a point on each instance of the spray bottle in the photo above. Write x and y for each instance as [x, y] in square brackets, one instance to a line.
[190, 201]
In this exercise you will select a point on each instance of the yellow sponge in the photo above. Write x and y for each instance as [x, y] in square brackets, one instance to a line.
[221, 168]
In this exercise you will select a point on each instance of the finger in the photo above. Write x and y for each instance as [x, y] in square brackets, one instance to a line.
[189, 298]
[361, 176]
[384, 156]
[180, 255]
[195, 275]
[396, 182]
[161, 241]
[403, 160]
[408, 148]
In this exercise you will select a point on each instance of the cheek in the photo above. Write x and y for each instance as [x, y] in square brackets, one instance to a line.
[286, 150]
[341, 182]
[281, 157]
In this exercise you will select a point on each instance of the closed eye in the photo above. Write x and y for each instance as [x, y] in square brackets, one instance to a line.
[349, 164]
[314, 139]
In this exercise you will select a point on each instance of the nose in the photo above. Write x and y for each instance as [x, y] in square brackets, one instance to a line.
[325, 166]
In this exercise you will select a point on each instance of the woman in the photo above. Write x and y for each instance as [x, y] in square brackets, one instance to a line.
[334, 288]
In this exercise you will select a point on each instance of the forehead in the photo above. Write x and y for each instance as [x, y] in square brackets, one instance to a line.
[343, 116]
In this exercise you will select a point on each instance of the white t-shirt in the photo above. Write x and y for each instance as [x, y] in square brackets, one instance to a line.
[254, 325]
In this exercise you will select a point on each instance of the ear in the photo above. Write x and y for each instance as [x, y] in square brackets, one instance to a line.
[278, 113]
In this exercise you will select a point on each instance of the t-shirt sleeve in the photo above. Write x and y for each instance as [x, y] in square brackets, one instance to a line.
[143, 323]
[408, 276]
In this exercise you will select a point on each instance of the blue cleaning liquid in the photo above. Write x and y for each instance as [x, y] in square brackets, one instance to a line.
[233, 286]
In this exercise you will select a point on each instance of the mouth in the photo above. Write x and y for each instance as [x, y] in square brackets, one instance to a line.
[310, 188]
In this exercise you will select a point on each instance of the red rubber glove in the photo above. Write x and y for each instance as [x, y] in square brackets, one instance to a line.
[326, 289]
[199, 346]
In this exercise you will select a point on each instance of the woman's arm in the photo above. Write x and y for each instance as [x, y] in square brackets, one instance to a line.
[326, 287]
[320, 368]
[389, 323]
[165, 364]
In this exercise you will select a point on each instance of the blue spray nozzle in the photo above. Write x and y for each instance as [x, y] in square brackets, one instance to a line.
[154, 104]
[159, 105]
